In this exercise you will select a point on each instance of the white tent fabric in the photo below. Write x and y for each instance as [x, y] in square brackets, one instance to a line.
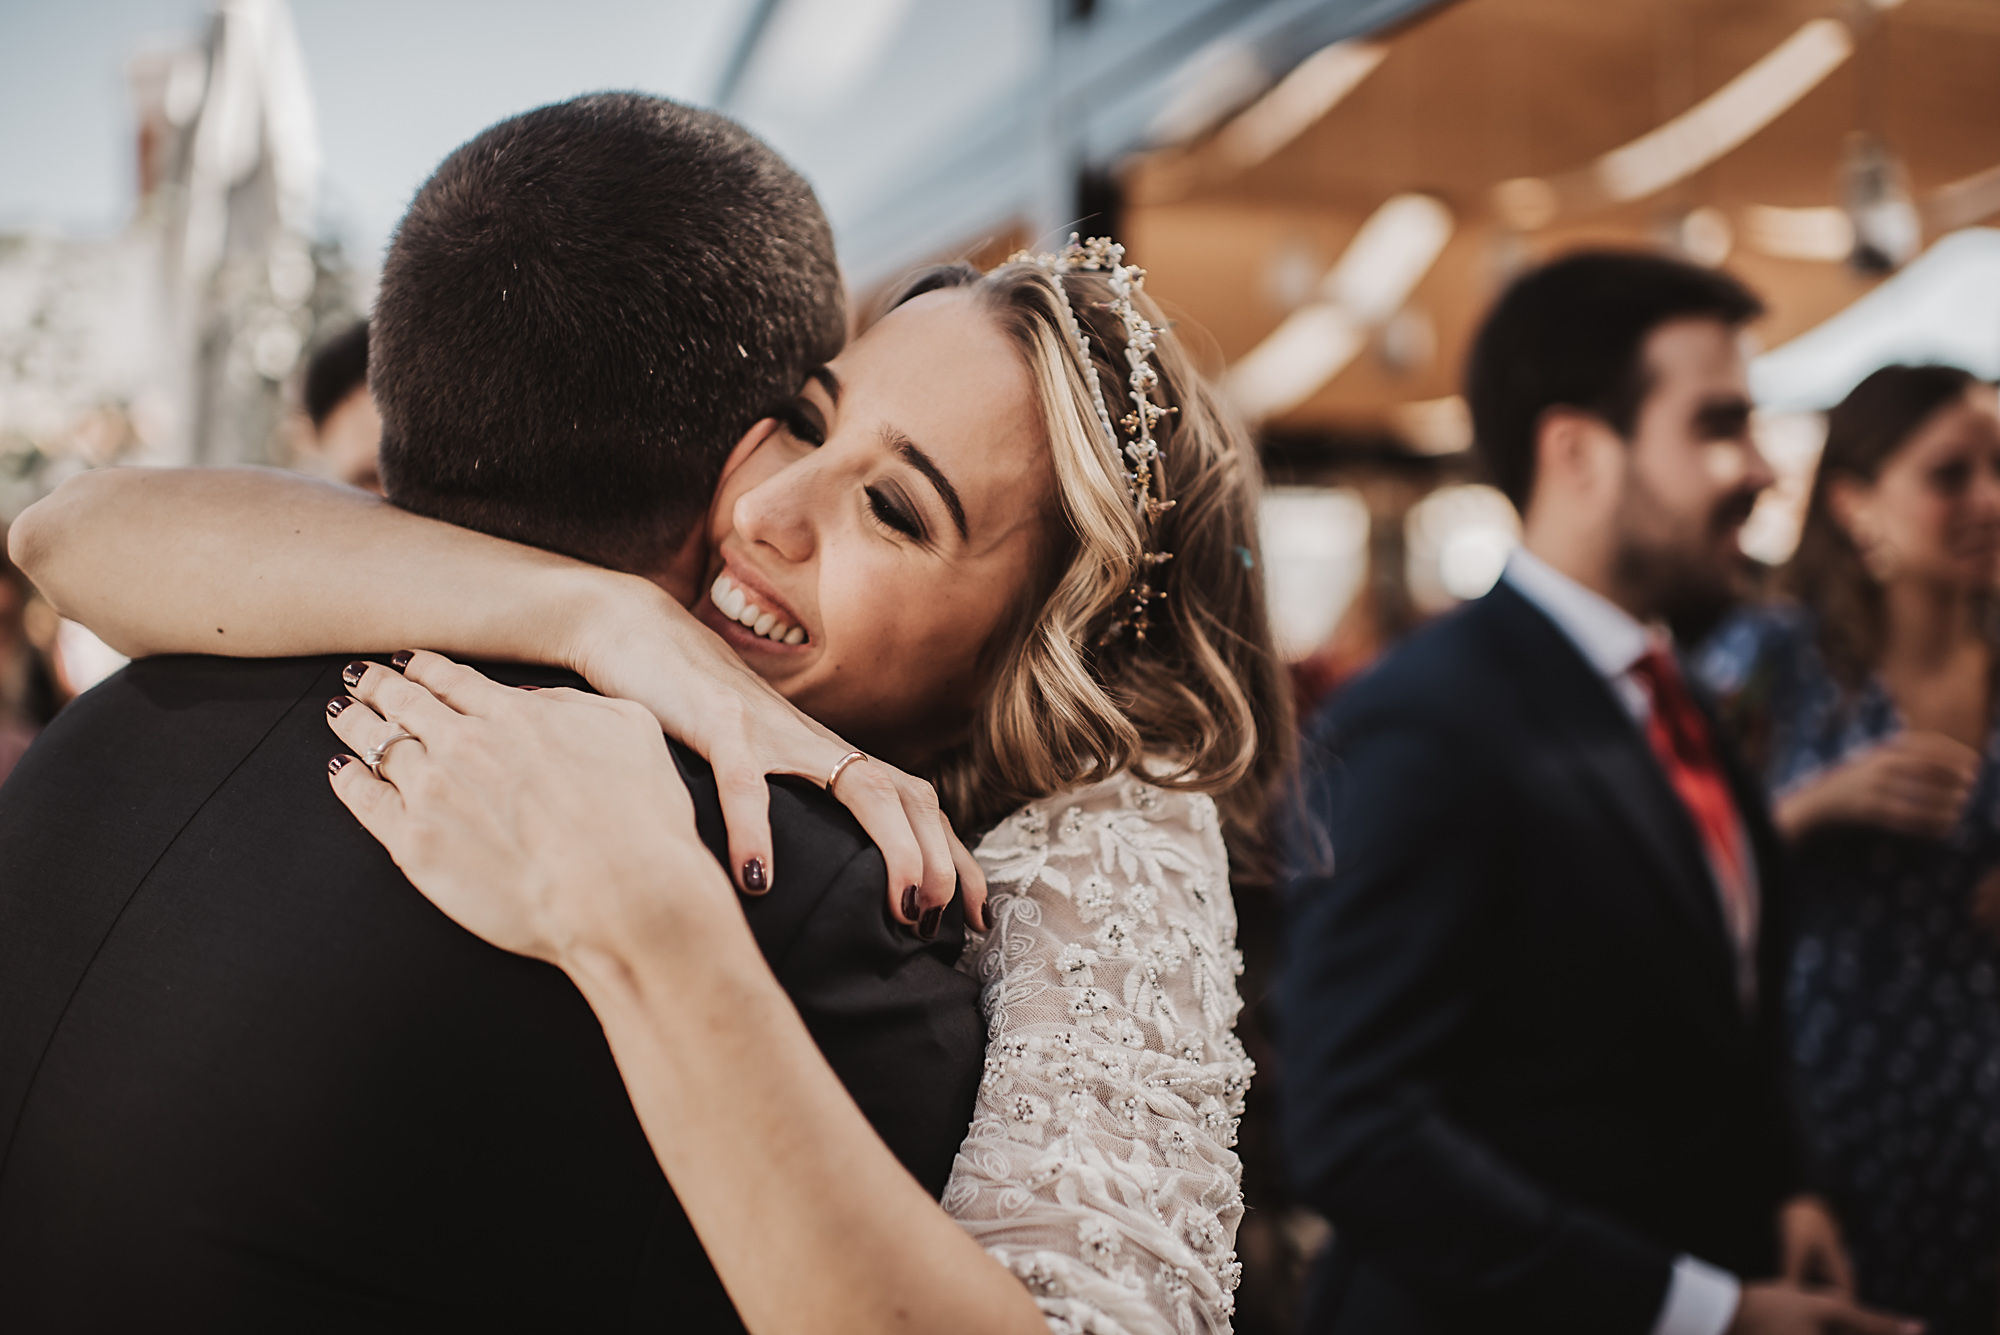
[1944, 307]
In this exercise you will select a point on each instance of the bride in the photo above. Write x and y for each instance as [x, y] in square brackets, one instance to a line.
[1005, 541]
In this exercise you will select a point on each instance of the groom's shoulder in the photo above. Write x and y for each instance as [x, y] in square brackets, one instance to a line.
[167, 726]
[818, 850]
[825, 870]
[814, 835]
[178, 685]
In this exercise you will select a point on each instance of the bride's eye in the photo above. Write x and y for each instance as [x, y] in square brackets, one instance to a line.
[895, 516]
[802, 419]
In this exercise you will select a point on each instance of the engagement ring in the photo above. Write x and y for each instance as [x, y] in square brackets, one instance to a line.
[372, 757]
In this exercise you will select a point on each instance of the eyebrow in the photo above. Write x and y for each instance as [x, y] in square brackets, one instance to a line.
[1724, 416]
[826, 377]
[917, 459]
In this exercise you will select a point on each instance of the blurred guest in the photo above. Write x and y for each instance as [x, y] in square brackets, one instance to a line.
[1869, 701]
[346, 430]
[29, 695]
[1534, 1070]
[1357, 640]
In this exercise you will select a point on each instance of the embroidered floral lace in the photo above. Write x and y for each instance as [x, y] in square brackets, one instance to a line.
[1099, 1167]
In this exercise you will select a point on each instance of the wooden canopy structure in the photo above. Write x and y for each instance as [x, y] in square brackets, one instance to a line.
[1772, 136]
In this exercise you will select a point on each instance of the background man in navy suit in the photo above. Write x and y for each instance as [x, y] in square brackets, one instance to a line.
[1530, 1019]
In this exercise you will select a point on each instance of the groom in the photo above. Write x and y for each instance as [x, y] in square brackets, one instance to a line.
[249, 1079]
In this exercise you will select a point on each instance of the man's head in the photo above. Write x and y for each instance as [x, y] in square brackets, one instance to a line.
[582, 311]
[346, 431]
[1610, 400]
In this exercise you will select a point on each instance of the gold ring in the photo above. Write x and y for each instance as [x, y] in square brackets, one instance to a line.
[845, 761]
[372, 757]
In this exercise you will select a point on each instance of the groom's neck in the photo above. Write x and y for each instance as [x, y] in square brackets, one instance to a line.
[680, 574]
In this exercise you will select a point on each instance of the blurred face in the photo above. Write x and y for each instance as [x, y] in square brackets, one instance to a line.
[867, 549]
[13, 602]
[1932, 514]
[351, 439]
[1692, 473]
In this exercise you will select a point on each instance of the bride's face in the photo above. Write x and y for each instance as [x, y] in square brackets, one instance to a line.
[884, 531]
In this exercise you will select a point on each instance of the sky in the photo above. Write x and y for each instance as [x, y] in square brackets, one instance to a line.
[397, 85]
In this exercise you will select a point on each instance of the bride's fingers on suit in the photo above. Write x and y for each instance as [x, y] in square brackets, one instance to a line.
[940, 873]
[867, 790]
[404, 703]
[361, 727]
[374, 802]
[745, 798]
[467, 690]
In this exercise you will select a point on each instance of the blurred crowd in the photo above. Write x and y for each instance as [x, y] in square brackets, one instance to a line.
[1642, 918]
[334, 433]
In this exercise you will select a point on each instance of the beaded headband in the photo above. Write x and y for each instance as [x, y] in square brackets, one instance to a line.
[1143, 475]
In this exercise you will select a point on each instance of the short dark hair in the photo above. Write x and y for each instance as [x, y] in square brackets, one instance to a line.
[1572, 333]
[335, 371]
[584, 308]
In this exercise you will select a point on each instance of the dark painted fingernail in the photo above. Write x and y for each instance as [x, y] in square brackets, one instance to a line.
[338, 763]
[754, 880]
[351, 674]
[338, 703]
[401, 659]
[910, 902]
[927, 926]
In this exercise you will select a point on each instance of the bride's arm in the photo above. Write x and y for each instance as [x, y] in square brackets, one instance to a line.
[1100, 1166]
[256, 563]
[252, 562]
[536, 821]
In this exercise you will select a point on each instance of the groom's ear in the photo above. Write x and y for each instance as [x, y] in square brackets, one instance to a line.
[759, 432]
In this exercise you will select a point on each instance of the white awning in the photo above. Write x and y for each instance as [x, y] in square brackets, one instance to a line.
[1943, 307]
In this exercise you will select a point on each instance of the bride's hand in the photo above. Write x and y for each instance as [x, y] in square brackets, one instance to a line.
[731, 717]
[547, 823]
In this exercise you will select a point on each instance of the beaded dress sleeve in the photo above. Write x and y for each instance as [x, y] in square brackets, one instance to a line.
[1100, 1167]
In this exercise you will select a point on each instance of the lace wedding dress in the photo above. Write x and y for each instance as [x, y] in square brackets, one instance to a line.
[1099, 1166]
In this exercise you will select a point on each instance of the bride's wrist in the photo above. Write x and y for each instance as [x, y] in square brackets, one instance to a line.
[607, 621]
[676, 926]
[627, 891]
[635, 642]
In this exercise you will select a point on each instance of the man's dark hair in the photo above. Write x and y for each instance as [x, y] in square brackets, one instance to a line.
[338, 369]
[583, 310]
[1573, 334]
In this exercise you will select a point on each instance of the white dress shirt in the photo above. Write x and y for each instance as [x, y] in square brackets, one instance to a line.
[1701, 1298]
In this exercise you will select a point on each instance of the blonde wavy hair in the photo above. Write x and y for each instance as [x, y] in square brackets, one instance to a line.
[1202, 704]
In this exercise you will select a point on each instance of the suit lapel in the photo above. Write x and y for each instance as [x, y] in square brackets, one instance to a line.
[1766, 850]
[1573, 704]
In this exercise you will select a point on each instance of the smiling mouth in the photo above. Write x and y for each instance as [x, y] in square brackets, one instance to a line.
[733, 603]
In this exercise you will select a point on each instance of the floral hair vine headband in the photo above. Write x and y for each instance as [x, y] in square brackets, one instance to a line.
[1143, 474]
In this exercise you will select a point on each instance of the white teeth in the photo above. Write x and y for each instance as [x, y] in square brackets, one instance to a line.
[737, 607]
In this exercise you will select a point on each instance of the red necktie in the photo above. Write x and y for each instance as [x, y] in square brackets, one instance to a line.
[1678, 731]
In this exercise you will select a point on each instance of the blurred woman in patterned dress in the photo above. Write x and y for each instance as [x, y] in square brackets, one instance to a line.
[1868, 702]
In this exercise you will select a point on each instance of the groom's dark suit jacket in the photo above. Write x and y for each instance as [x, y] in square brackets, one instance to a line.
[250, 1080]
[1519, 1077]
